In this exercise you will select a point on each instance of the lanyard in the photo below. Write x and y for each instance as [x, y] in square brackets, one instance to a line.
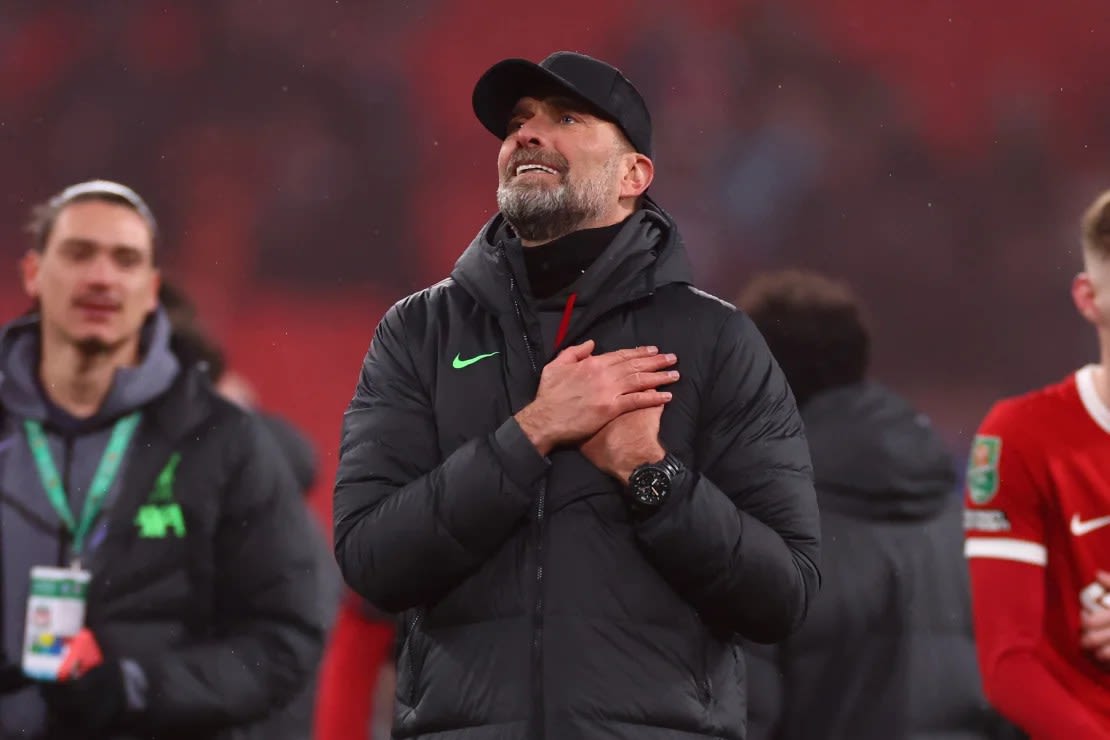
[102, 479]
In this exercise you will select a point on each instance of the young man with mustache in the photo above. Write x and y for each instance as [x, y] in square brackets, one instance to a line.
[141, 515]
[579, 478]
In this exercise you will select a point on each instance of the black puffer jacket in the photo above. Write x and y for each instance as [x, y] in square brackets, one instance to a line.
[225, 615]
[534, 608]
[887, 652]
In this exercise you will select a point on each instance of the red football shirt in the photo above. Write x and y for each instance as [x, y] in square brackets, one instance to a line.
[1038, 529]
[1037, 521]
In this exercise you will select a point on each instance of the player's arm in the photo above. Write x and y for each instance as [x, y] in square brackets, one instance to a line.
[739, 540]
[1007, 558]
[409, 525]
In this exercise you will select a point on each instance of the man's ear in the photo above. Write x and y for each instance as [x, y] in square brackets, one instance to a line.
[29, 268]
[1083, 293]
[638, 174]
[155, 287]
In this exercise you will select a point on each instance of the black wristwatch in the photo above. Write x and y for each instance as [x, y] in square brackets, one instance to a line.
[651, 483]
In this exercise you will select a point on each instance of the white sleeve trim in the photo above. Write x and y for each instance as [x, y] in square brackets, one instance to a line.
[1002, 548]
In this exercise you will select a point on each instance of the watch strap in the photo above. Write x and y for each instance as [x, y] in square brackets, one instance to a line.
[671, 465]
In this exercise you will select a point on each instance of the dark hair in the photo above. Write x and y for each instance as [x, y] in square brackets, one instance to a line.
[44, 215]
[189, 339]
[814, 327]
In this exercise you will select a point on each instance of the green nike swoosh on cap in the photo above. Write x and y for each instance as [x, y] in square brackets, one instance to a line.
[459, 364]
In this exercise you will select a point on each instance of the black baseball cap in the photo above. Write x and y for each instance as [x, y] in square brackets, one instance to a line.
[600, 84]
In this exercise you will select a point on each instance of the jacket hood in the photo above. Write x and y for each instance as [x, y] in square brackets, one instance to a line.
[132, 387]
[875, 456]
[645, 254]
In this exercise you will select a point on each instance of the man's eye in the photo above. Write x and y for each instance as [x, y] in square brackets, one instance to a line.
[127, 259]
[79, 254]
[567, 118]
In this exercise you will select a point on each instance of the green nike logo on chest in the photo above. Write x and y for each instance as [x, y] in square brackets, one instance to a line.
[458, 363]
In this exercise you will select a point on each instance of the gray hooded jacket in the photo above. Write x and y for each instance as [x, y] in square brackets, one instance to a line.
[218, 623]
[30, 531]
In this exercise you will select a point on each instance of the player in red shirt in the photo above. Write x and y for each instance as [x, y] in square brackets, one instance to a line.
[1038, 533]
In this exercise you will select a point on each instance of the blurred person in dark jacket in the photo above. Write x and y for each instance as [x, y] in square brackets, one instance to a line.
[195, 344]
[118, 460]
[887, 652]
[339, 702]
[574, 533]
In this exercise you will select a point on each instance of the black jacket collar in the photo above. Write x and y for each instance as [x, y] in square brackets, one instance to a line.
[646, 253]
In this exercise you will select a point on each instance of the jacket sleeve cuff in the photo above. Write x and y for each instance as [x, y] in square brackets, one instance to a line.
[520, 459]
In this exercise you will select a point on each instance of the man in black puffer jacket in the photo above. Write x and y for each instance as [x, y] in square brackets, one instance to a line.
[887, 652]
[204, 594]
[575, 551]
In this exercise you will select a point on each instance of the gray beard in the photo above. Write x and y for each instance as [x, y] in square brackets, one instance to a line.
[542, 214]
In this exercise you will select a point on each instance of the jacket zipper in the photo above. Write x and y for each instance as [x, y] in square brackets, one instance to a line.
[537, 622]
[523, 326]
[410, 649]
[538, 725]
[705, 686]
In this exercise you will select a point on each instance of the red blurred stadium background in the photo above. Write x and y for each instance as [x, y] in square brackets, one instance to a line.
[312, 163]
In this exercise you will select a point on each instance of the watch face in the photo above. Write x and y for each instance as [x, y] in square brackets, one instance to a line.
[651, 486]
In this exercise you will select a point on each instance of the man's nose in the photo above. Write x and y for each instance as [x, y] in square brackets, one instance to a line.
[532, 132]
[102, 271]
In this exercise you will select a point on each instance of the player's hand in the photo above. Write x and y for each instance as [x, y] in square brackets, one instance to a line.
[82, 655]
[1096, 627]
[581, 392]
[92, 702]
[626, 442]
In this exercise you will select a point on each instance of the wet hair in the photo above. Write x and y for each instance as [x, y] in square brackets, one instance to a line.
[45, 215]
[814, 327]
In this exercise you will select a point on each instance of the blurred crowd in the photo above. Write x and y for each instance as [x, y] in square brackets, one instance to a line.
[791, 134]
[323, 162]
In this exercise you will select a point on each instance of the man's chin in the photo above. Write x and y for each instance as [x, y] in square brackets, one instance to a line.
[95, 344]
[521, 191]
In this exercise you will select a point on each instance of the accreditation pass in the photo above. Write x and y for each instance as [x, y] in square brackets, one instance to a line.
[55, 615]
